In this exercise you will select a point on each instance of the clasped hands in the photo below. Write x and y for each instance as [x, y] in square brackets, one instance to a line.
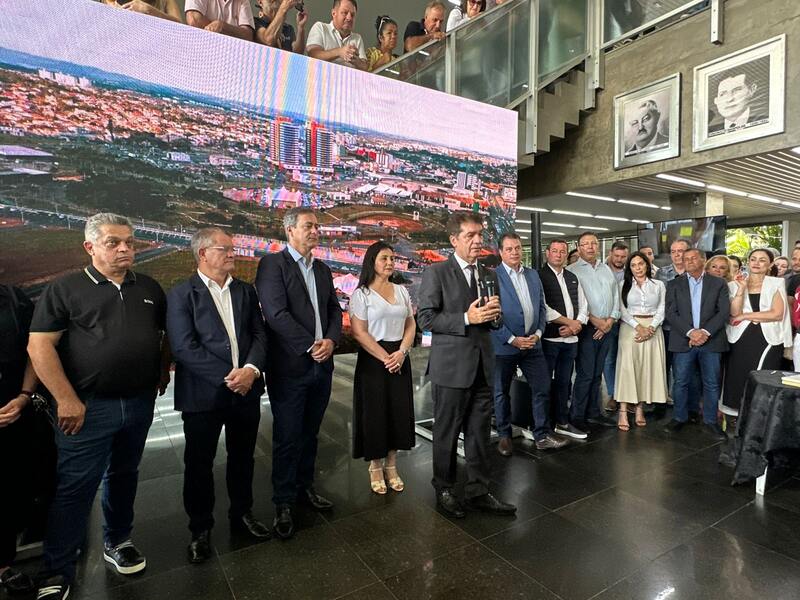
[603, 326]
[240, 380]
[483, 314]
[697, 337]
[322, 350]
[394, 361]
[643, 333]
[525, 343]
[573, 328]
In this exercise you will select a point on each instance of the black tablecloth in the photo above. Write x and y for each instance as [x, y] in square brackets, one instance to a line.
[769, 424]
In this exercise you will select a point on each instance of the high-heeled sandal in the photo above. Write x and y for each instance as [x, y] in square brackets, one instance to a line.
[641, 421]
[623, 426]
[394, 482]
[378, 486]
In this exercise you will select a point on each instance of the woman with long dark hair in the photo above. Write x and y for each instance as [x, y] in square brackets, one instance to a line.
[758, 331]
[383, 398]
[641, 361]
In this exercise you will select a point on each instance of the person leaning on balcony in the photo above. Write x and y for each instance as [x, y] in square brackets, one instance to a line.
[383, 53]
[163, 9]
[229, 17]
[273, 30]
[429, 28]
[336, 41]
[464, 12]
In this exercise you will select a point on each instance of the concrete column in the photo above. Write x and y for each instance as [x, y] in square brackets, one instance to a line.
[791, 233]
[696, 205]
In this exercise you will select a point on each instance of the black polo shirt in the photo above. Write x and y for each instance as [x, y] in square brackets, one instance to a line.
[111, 342]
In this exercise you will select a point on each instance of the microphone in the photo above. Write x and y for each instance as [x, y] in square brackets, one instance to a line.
[487, 288]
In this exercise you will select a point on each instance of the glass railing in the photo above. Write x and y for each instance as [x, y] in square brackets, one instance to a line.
[425, 66]
[624, 18]
[563, 35]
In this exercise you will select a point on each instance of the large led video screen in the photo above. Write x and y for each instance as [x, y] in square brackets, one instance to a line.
[102, 109]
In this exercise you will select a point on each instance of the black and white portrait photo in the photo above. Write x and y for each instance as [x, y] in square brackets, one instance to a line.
[739, 97]
[646, 123]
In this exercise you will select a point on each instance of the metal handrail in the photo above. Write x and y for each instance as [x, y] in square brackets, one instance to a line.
[644, 26]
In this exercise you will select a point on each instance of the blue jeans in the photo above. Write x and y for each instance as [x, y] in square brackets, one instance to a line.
[534, 368]
[588, 375]
[560, 362]
[685, 366]
[610, 367]
[695, 386]
[108, 448]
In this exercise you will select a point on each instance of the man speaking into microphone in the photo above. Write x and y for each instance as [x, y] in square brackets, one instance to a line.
[461, 366]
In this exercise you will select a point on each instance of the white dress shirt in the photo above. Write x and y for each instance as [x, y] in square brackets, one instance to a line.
[222, 300]
[524, 295]
[647, 299]
[583, 307]
[464, 265]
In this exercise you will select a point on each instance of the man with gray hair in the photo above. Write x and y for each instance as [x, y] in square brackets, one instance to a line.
[304, 322]
[644, 129]
[430, 28]
[97, 343]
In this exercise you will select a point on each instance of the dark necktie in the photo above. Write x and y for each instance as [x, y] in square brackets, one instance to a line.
[473, 283]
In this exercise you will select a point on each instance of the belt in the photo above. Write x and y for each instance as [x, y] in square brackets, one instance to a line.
[643, 316]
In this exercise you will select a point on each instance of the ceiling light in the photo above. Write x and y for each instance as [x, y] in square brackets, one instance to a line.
[592, 196]
[610, 218]
[791, 204]
[637, 203]
[572, 214]
[590, 227]
[796, 150]
[532, 208]
[665, 207]
[681, 180]
[560, 225]
[523, 221]
[764, 198]
[552, 232]
[727, 190]
[640, 221]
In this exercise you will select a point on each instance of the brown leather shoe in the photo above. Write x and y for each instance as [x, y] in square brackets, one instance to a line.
[505, 447]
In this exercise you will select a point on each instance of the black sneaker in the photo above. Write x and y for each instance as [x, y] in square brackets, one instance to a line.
[16, 583]
[126, 559]
[54, 588]
[571, 431]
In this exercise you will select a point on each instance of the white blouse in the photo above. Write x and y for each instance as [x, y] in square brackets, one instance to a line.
[777, 333]
[647, 299]
[385, 321]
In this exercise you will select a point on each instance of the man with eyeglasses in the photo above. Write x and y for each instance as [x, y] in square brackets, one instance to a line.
[602, 296]
[219, 344]
[97, 344]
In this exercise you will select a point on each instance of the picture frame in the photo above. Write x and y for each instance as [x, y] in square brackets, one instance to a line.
[740, 96]
[647, 123]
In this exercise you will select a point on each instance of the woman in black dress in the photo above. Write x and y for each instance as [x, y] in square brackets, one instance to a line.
[383, 398]
[759, 328]
[17, 384]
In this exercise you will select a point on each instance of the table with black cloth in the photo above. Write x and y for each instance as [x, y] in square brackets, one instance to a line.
[768, 430]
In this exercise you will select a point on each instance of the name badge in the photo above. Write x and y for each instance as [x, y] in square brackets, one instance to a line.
[427, 339]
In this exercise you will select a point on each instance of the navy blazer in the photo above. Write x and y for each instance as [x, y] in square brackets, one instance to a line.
[513, 317]
[201, 346]
[289, 314]
[715, 311]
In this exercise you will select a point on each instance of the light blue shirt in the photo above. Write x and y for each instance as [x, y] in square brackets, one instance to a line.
[307, 271]
[696, 291]
[600, 287]
[523, 293]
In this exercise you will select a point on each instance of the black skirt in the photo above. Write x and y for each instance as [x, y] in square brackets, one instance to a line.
[383, 406]
[751, 352]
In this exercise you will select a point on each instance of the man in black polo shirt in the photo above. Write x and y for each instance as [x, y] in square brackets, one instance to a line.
[97, 343]
[429, 28]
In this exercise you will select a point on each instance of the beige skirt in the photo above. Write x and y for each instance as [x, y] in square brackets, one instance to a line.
[641, 367]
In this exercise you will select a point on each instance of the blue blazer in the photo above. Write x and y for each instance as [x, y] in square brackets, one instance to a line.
[513, 318]
[289, 314]
[201, 346]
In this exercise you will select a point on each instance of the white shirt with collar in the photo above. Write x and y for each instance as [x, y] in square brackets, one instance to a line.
[307, 271]
[583, 307]
[523, 294]
[464, 266]
[647, 299]
[327, 37]
[222, 300]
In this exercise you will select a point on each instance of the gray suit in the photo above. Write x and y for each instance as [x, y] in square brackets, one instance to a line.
[461, 370]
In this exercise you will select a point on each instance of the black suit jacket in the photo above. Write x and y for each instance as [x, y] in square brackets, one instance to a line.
[715, 310]
[201, 346]
[289, 314]
[456, 349]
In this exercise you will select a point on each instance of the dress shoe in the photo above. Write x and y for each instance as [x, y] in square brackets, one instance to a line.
[549, 442]
[694, 416]
[673, 426]
[310, 497]
[449, 504]
[248, 523]
[715, 431]
[16, 582]
[283, 524]
[200, 547]
[490, 504]
[505, 447]
[601, 421]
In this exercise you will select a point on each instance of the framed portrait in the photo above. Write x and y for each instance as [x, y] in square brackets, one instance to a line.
[740, 96]
[647, 123]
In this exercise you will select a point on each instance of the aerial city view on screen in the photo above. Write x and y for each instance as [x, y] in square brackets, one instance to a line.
[77, 139]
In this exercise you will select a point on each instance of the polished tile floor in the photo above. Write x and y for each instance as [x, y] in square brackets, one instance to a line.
[633, 516]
